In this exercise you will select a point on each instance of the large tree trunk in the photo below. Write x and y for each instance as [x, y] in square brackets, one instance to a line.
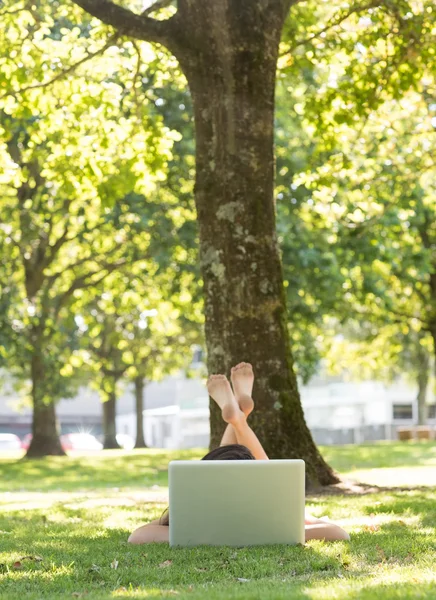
[45, 436]
[231, 74]
[228, 52]
[109, 427]
[139, 399]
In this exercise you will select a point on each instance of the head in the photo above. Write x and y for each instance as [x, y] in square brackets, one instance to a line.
[230, 452]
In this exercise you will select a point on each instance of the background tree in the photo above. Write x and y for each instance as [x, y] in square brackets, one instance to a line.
[58, 236]
[131, 332]
[384, 353]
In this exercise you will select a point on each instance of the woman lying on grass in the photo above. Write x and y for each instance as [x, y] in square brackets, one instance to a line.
[239, 442]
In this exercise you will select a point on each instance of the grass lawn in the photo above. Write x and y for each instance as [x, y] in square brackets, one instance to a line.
[64, 525]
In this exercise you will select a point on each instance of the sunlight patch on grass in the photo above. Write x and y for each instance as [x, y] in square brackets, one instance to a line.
[384, 582]
[376, 521]
[396, 477]
[21, 501]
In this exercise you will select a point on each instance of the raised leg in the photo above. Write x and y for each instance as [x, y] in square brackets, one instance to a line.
[246, 436]
[220, 390]
[242, 378]
[229, 436]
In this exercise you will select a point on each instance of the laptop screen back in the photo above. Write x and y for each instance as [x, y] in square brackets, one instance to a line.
[236, 503]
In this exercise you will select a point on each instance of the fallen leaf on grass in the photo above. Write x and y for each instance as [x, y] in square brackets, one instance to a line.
[94, 568]
[372, 528]
[242, 580]
[114, 564]
[166, 563]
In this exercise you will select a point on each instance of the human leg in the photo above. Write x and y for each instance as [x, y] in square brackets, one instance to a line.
[229, 436]
[246, 436]
[220, 390]
[242, 378]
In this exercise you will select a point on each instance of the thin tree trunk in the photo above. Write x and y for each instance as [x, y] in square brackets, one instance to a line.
[45, 435]
[422, 380]
[422, 398]
[231, 75]
[109, 426]
[139, 398]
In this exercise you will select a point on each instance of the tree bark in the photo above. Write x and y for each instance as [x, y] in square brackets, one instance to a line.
[109, 426]
[422, 380]
[45, 435]
[139, 398]
[231, 75]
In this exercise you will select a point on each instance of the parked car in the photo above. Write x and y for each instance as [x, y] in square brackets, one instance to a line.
[25, 442]
[80, 441]
[9, 441]
[125, 441]
[70, 441]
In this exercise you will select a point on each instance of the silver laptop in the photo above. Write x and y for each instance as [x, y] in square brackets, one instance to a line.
[236, 502]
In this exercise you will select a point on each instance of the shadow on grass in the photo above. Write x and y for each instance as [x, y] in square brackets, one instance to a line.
[81, 562]
[408, 503]
[149, 467]
[80, 558]
[380, 455]
[103, 469]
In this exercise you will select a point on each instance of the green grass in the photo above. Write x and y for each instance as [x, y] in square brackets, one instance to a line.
[75, 514]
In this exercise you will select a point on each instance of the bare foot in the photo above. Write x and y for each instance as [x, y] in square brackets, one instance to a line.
[242, 377]
[220, 390]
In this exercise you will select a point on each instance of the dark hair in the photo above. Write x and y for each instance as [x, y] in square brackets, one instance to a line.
[229, 452]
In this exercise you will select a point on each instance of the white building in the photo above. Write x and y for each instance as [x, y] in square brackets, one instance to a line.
[337, 412]
[176, 412]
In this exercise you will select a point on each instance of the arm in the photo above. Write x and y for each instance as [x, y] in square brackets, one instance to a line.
[317, 529]
[150, 533]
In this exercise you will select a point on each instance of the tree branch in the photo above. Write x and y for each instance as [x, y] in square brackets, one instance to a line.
[156, 6]
[128, 23]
